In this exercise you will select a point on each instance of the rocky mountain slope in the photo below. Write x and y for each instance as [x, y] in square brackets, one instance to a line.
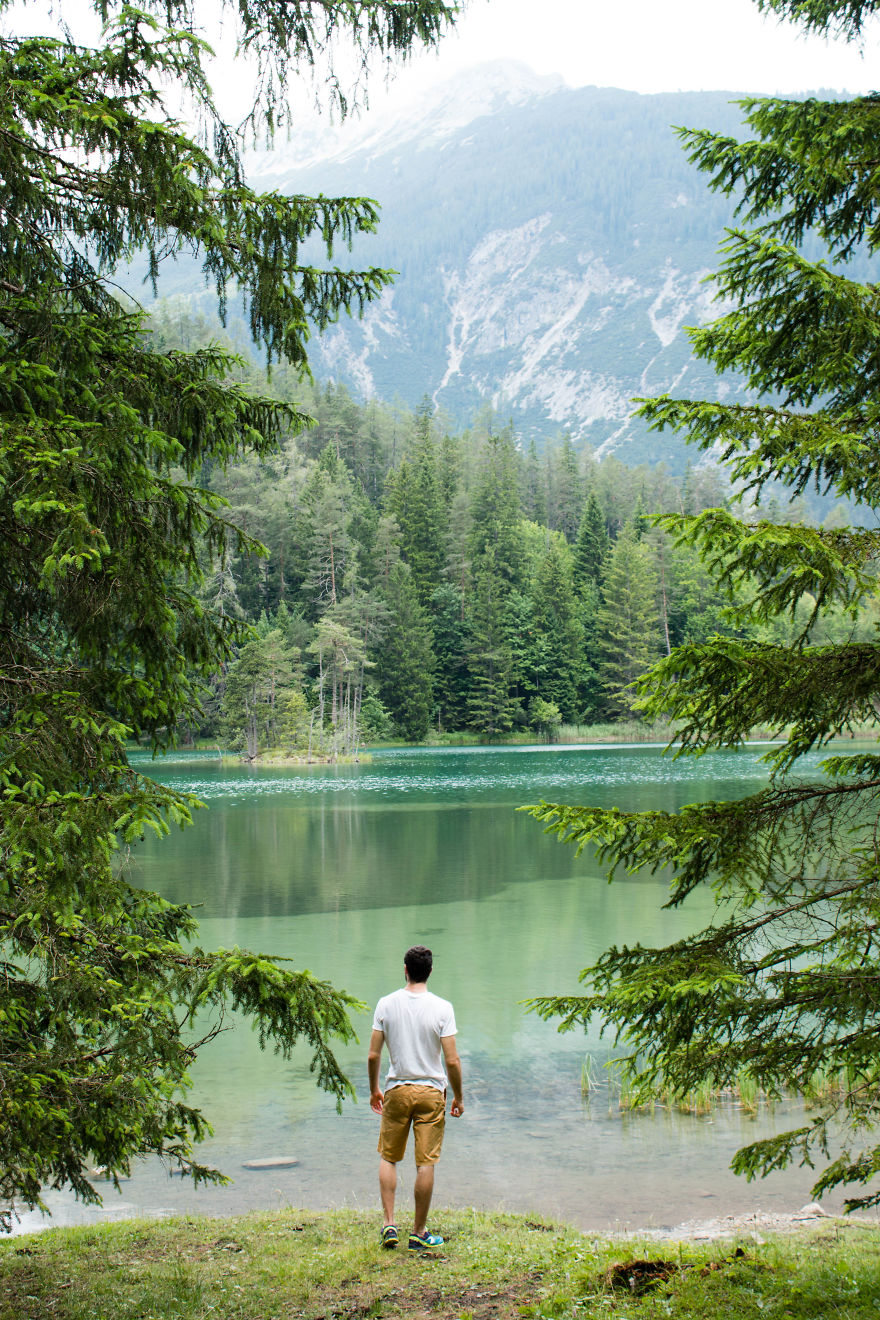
[552, 245]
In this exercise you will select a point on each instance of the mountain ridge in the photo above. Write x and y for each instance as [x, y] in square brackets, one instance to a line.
[552, 245]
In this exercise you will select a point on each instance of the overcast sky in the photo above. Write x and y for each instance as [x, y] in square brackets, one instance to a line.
[641, 45]
[655, 46]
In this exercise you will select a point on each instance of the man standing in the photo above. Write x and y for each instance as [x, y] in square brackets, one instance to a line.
[419, 1030]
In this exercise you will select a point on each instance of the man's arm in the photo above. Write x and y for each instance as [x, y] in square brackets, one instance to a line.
[453, 1072]
[377, 1040]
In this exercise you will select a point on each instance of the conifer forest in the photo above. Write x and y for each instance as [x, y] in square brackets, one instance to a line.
[418, 580]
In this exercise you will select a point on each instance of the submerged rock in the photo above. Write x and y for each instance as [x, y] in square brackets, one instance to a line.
[272, 1162]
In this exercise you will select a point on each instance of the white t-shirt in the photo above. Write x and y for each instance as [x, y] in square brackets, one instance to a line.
[413, 1025]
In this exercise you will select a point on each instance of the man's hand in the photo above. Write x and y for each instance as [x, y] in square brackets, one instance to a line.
[377, 1040]
[453, 1072]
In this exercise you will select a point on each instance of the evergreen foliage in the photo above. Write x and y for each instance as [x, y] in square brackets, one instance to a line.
[560, 633]
[111, 548]
[591, 545]
[495, 510]
[784, 982]
[627, 623]
[450, 651]
[406, 661]
[383, 489]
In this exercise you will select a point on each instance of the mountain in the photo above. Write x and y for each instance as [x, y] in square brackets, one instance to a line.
[552, 245]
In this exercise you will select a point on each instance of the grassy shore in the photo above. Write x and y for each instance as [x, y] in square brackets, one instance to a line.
[316, 1266]
[622, 731]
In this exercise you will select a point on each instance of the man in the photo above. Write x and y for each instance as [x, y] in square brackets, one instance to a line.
[419, 1030]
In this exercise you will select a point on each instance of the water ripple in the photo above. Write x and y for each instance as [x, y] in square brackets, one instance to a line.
[438, 774]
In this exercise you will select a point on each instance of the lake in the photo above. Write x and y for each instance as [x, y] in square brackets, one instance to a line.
[341, 869]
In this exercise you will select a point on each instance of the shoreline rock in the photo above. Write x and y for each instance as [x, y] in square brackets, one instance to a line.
[753, 1223]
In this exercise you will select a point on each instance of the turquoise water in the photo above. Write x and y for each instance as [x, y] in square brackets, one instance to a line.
[340, 869]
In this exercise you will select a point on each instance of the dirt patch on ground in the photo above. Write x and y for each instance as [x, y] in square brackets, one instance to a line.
[425, 1302]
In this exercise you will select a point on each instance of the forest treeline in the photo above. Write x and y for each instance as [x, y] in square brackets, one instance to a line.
[415, 578]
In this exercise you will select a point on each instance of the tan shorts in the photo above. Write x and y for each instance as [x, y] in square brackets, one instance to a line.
[423, 1108]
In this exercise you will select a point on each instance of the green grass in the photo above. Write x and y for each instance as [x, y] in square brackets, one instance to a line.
[317, 1266]
[620, 731]
[610, 1084]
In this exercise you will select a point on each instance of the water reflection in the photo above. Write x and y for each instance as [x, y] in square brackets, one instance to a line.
[340, 870]
[409, 827]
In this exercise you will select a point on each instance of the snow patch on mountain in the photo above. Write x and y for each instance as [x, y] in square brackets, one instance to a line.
[428, 123]
[443, 111]
[482, 316]
[681, 295]
[348, 348]
[673, 302]
[568, 394]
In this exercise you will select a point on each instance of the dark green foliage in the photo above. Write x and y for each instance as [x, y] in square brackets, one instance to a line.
[524, 642]
[109, 549]
[533, 493]
[327, 501]
[254, 685]
[490, 703]
[495, 510]
[406, 659]
[416, 501]
[566, 496]
[559, 638]
[332, 546]
[591, 545]
[450, 652]
[783, 983]
[836, 17]
[627, 628]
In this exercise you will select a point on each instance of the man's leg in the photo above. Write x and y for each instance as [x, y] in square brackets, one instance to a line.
[388, 1187]
[422, 1192]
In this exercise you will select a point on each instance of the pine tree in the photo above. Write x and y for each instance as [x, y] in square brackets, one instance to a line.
[104, 545]
[449, 470]
[257, 685]
[490, 702]
[566, 491]
[627, 626]
[330, 546]
[559, 632]
[450, 651]
[406, 661]
[495, 510]
[782, 984]
[416, 503]
[522, 644]
[591, 545]
[589, 690]
[534, 487]
[341, 659]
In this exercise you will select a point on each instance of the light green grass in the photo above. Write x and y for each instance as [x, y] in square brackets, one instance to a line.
[620, 731]
[317, 1266]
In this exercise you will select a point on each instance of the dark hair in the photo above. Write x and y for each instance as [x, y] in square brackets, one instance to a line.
[418, 962]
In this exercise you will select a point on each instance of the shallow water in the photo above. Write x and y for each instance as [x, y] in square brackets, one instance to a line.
[340, 869]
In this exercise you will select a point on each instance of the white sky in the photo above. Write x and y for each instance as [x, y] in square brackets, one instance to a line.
[656, 46]
[641, 45]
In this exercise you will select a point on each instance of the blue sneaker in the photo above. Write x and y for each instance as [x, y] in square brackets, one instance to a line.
[422, 1241]
[390, 1237]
